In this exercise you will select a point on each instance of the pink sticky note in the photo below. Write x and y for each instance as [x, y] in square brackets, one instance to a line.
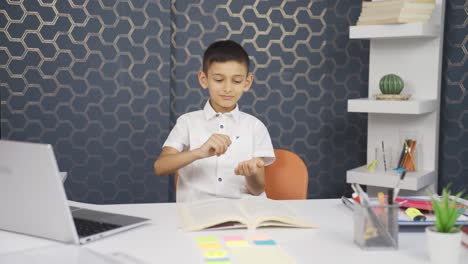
[231, 238]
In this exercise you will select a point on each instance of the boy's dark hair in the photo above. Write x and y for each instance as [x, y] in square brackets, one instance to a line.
[223, 51]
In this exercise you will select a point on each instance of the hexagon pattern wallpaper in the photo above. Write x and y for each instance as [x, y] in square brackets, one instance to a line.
[105, 81]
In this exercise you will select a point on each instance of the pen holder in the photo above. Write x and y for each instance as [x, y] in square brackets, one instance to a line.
[376, 226]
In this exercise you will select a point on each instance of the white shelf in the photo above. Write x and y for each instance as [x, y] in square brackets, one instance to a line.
[410, 30]
[413, 181]
[366, 105]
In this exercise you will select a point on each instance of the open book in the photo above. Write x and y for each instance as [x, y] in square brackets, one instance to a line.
[248, 212]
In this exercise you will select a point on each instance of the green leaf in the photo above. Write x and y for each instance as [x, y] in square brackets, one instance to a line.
[438, 214]
[446, 211]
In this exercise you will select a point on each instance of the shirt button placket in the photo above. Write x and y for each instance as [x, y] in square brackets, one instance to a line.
[219, 171]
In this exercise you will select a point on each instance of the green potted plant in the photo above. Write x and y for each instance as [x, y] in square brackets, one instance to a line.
[444, 239]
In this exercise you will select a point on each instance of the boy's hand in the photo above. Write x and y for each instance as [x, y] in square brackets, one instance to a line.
[249, 167]
[217, 145]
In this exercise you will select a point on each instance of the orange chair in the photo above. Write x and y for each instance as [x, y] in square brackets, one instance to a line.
[287, 178]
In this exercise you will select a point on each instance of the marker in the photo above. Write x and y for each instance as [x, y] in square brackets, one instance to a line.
[355, 195]
[396, 190]
[356, 198]
[381, 198]
[414, 214]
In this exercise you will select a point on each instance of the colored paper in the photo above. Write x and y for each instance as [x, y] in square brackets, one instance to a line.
[215, 245]
[215, 254]
[209, 239]
[264, 242]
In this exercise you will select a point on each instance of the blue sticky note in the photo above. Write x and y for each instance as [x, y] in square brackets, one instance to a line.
[265, 242]
[218, 261]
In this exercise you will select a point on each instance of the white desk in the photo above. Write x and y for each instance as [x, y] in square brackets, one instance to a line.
[163, 242]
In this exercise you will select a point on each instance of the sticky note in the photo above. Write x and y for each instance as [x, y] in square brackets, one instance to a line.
[220, 261]
[237, 243]
[231, 238]
[264, 242]
[215, 254]
[214, 245]
[209, 239]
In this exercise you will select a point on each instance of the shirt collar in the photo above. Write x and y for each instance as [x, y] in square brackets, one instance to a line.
[211, 113]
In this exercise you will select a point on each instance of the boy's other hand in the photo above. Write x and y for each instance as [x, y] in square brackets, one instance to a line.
[249, 167]
[217, 145]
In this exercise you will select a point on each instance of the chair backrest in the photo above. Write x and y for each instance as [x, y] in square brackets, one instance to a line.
[287, 178]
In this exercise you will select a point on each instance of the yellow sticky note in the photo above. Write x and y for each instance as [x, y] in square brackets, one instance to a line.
[209, 239]
[215, 254]
[214, 245]
[237, 243]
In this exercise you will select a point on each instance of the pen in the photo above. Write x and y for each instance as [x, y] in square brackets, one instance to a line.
[383, 155]
[381, 198]
[364, 198]
[391, 197]
[355, 194]
[347, 202]
[397, 187]
[459, 200]
[356, 197]
[462, 202]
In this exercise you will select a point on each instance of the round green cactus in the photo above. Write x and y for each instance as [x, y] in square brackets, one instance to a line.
[391, 84]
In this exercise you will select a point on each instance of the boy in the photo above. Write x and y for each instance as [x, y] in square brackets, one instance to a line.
[219, 151]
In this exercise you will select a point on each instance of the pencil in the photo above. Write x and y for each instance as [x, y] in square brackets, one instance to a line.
[383, 154]
[409, 149]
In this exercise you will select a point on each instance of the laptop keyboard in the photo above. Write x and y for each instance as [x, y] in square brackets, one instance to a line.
[86, 227]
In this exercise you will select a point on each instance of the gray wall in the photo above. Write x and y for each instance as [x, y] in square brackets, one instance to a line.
[104, 82]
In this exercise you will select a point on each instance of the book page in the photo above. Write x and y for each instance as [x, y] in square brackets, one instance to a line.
[266, 212]
[217, 213]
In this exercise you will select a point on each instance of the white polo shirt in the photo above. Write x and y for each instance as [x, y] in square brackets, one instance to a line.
[214, 176]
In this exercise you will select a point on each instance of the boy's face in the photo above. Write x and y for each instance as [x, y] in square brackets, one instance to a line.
[226, 82]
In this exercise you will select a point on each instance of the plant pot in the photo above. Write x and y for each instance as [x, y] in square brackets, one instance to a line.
[443, 248]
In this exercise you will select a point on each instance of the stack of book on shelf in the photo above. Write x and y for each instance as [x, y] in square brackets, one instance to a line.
[395, 12]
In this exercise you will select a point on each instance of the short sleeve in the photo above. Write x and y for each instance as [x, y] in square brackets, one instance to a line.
[262, 143]
[179, 137]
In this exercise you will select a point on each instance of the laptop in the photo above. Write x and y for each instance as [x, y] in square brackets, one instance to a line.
[33, 199]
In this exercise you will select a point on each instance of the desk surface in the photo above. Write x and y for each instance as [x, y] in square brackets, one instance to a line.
[162, 241]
